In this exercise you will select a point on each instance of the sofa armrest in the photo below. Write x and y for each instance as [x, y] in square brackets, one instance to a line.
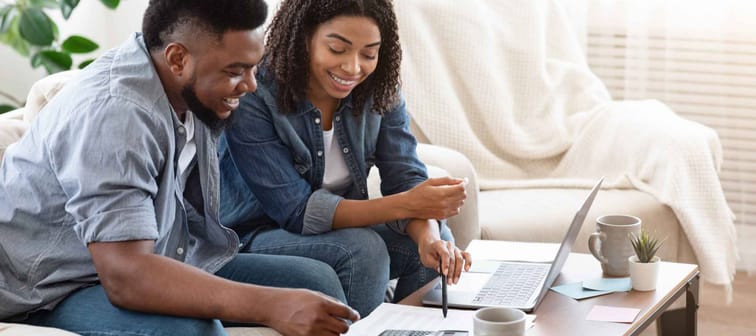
[17, 114]
[465, 226]
[442, 162]
[12, 128]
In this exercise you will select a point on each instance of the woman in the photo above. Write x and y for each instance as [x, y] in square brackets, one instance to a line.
[296, 159]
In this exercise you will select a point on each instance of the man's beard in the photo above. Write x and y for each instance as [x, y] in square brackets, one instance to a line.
[206, 115]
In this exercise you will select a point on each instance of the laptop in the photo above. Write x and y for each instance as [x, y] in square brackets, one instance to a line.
[514, 284]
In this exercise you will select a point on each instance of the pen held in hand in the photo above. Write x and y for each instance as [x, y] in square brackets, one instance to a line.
[444, 305]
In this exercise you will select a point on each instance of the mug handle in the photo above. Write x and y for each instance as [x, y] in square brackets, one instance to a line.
[594, 242]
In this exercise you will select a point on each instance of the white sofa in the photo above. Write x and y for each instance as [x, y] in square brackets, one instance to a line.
[534, 214]
[523, 214]
[539, 215]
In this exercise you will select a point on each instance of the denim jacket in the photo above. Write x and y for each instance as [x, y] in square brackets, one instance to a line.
[272, 164]
[99, 165]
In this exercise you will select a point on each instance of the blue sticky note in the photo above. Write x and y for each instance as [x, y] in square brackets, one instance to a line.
[576, 291]
[608, 284]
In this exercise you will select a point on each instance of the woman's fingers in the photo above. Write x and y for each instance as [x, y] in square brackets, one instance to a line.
[451, 259]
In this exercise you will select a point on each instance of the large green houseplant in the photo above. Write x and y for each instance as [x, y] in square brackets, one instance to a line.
[26, 27]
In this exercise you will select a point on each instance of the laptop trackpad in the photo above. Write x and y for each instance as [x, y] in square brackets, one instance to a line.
[463, 292]
[468, 282]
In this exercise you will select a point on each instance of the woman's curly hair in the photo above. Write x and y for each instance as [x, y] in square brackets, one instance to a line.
[288, 59]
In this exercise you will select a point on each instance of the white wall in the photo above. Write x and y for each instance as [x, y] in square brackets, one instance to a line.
[90, 19]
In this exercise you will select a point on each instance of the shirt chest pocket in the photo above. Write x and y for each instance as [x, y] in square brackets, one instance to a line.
[302, 165]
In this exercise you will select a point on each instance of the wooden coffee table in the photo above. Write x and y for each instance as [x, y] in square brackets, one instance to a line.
[561, 315]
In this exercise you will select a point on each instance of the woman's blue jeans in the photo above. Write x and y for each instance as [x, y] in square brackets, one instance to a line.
[364, 260]
[89, 312]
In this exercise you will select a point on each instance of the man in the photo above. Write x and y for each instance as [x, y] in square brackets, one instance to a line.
[109, 204]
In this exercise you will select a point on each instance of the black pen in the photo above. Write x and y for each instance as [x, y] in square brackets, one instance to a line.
[444, 304]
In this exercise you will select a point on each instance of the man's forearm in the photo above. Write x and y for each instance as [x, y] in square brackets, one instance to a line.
[152, 283]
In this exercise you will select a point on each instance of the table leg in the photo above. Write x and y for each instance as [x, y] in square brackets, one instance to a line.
[691, 307]
[683, 321]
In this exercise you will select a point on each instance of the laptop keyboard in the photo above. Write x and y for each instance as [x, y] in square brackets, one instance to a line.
[513, 284]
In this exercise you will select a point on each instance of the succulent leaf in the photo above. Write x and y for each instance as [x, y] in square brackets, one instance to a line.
[645, 245]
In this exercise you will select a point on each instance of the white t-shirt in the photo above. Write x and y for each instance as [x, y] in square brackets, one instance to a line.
[190, 149]
[336, 175]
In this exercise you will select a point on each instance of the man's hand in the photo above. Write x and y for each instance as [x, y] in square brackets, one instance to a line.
[436, 198]
[453, 260]
[304, 312]
[137, 279]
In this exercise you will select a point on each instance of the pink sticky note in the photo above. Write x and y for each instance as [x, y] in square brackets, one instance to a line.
[612, 314]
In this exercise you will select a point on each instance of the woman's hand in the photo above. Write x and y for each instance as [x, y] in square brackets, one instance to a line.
[436, 198]
[453, 260]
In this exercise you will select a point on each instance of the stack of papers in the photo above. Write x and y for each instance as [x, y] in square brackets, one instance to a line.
[395, 316]
[595, 287]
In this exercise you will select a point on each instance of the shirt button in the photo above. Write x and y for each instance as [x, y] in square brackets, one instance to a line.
[317, 120]
[180, 251]
[320, 153]
[345, 150]
[181, 130]
[338, 118]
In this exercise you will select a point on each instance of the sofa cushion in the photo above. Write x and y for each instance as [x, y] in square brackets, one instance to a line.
[10, 329]
[544, 214]
[44, 90]
[10, 131]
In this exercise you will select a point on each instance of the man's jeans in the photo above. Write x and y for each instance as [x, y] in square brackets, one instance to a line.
[364, 259]
[89, 312]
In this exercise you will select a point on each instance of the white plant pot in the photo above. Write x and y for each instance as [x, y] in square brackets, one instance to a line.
[643, 276]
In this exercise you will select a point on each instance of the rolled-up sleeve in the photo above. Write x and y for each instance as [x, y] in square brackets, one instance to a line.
[107, 164]
[399, 226]
[318, 216]
[396, 158]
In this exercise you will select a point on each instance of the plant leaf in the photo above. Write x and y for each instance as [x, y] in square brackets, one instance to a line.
[35, 27]
[53, 61]
[5, 9]
[645, 246]
[79, 45]
[112, 4]
[84, 64]
[67, 7]
[13, 39]
[36, 60]
[5, 108]
[6, 17]
[43, 3]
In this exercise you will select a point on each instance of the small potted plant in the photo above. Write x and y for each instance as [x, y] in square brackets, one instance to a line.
[644, 265]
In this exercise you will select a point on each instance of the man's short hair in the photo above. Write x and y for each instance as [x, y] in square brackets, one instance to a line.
[165, 18]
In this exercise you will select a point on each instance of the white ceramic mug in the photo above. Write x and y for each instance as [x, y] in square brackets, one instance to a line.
[499, 321]
[610, 244]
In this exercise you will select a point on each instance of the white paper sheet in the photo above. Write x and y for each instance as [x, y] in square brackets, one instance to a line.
[394, 316]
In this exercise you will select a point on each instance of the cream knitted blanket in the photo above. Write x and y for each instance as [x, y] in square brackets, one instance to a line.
[506, 83]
